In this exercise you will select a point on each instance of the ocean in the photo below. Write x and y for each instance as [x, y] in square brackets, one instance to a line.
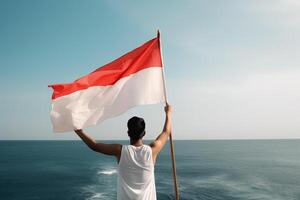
[206, 169]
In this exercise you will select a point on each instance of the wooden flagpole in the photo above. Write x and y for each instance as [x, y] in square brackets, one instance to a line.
[171, 138]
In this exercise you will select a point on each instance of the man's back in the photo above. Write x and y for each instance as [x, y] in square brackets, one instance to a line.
[136, 173]
[136, 161]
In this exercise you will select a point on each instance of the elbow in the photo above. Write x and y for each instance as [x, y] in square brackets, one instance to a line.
[167, 131]
[93, 147]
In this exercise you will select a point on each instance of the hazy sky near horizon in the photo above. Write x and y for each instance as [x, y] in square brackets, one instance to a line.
[232, 67]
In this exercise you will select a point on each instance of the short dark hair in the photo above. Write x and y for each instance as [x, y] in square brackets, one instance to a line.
[136, 128]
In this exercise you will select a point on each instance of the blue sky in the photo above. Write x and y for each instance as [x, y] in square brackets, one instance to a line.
[232, 67]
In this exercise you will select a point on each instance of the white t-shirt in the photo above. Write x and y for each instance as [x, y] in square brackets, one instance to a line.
[136, 174]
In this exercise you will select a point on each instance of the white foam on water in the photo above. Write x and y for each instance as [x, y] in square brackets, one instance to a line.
[96, 196]
[93, 193]
[108, 172]
[250, 188]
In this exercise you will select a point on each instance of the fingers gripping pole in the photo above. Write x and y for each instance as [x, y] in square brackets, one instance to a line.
[171, 138]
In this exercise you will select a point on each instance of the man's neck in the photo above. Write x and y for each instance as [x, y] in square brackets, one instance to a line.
[136, 142]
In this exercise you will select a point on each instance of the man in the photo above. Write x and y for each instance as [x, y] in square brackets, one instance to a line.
[135, 161]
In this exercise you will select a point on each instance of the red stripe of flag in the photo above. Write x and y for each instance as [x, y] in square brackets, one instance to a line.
[146, 56]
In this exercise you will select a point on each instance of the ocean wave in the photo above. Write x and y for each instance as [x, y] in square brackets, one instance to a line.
[91, 192]
[108, 172]
[242, 188]
[96, 196]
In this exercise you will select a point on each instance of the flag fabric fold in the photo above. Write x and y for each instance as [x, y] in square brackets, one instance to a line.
[135, 78]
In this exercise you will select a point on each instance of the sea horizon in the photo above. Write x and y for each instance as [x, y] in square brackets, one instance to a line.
[153, 139]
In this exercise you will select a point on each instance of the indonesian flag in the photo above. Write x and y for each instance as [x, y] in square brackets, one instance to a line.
[134, 79]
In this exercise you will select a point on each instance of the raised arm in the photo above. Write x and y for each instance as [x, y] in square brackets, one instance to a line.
[160, 141]
[108, 149]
